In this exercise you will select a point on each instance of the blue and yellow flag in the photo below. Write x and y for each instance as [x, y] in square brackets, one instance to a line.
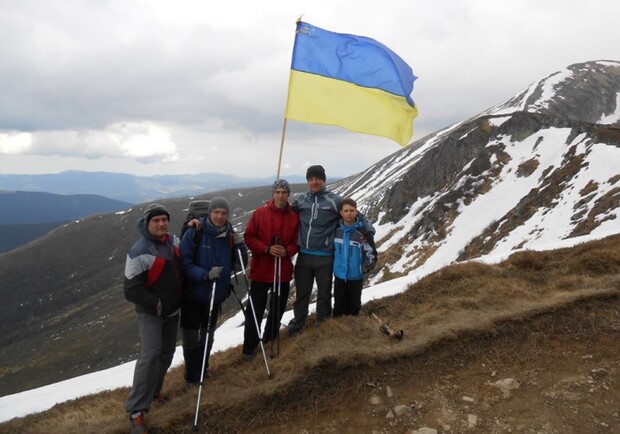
[350, 81]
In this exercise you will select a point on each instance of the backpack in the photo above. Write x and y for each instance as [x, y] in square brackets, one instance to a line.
[370, 239]
[197, 209]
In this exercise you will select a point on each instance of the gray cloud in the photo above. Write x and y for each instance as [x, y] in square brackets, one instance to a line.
[213, 77]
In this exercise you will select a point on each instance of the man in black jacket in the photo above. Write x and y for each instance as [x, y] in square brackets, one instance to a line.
[152, 282]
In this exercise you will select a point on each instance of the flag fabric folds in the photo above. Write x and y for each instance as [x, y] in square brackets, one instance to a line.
[350, 81]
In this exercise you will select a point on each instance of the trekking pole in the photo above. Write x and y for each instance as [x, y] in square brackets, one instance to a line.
[272, 312]
[277, 278]
[260, 339]
[204, 356]
[386, 329]
[279, 292]
[237, 296]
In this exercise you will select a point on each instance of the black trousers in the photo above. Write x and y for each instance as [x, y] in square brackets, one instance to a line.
[347, 296]
[259, 292]
[195, 318]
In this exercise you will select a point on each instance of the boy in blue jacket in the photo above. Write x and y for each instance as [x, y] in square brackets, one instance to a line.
[354, 255]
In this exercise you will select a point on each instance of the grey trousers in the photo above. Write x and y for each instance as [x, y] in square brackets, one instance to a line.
[158, 337]
[307, 269]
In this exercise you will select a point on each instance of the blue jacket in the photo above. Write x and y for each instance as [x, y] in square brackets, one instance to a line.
[215, 249]
[353, 254]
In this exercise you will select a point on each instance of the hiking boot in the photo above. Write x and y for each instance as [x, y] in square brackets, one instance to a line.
[293, 332]
[249, 357]
[136, 424]
[189, 386]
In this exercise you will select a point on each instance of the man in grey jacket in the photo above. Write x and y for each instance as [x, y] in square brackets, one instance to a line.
[152, 282]
[318, 217]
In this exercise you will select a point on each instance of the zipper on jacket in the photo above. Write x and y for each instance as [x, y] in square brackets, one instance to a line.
[314, 211]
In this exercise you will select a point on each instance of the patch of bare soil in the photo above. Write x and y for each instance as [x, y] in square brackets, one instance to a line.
[554, 373]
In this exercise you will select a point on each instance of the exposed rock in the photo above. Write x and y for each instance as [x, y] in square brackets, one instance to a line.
[424, 430]
[401, 410]
[506, 385]
[472, 421]
[375, 400]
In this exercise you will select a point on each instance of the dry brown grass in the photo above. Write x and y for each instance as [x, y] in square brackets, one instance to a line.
[458, 301]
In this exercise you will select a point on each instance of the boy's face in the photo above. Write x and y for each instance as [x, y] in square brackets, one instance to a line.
[348, 214]
[280, 197]
[218, 217]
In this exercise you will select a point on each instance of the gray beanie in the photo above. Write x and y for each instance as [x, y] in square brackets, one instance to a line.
[219, 203]
[315, 172]
[153, 210]
[281, 183]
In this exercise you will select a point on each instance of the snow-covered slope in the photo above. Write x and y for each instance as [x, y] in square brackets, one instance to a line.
[539, 168]
[539, 171]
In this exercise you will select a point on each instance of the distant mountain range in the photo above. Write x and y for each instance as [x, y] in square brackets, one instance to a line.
[130, 188]
[28, 215]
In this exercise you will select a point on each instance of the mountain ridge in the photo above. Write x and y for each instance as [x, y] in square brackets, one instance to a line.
[454, 195]
[131, 188]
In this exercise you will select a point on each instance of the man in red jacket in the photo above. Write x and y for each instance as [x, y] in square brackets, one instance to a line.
[271, 236]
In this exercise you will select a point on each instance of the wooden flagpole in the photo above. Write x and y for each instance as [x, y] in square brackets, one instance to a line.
[285, 119]
[281, 148]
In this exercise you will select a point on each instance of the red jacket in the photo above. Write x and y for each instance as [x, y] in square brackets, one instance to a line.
[267, 222]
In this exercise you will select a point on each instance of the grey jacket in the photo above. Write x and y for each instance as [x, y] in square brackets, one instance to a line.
[318, 218]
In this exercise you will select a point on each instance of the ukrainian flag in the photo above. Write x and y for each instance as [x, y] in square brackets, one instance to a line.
[350, 81]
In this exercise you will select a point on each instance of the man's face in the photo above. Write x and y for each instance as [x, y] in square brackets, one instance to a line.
[280, 197]
[315, 184]
[218, 217]
[158, 226]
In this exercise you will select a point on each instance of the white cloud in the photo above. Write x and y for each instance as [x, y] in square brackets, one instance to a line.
[15, 142]
[140, 140]
[214, 75]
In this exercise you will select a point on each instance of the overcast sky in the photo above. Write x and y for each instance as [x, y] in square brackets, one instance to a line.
[156, 87]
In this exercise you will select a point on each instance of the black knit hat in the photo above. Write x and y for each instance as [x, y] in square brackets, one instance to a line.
[315, 172]
[153, 210]
[219, 203]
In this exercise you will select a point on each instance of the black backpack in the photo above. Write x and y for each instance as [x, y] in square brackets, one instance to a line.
[197, 209]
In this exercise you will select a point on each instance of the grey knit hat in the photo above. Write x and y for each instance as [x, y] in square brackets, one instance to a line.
[219, 203]
[153, 210]
[281, 183]
[315, 172]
